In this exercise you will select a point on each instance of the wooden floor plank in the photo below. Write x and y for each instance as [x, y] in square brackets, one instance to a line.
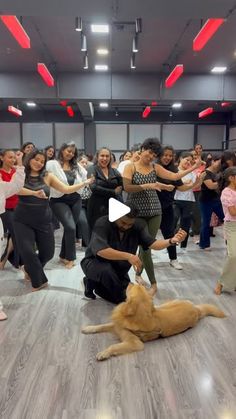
[48, 369]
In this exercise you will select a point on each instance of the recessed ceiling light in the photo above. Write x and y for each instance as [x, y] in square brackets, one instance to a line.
[100, 28]
[177, 105]
[102, 51]
[103, 105]
[31, 104]
[101, 67]
[218, 69]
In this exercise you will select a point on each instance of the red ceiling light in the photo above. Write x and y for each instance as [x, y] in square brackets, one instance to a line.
[205, 112]
[63, 102]
[154, 103]
[206, 32]
[45, 74]
[174, 75]
[146, 112]
[225, 104]
[70, 111]
[14, 111]
[17, 30]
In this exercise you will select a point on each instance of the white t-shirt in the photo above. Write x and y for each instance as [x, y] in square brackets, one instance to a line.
[122, 165]
[186, 195]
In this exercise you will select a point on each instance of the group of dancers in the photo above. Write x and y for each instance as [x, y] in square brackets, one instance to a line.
[41, 191]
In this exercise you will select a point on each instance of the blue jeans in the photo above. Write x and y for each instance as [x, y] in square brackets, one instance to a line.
[207, 208]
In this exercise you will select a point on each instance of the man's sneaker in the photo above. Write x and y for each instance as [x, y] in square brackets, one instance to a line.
[88, 289]
[175, 264]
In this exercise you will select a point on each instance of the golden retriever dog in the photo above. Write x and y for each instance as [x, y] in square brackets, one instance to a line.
[137, 320]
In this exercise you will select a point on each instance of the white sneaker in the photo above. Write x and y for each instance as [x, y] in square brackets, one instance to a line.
[175, 264]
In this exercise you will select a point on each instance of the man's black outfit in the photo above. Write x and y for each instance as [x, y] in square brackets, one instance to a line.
[109, 278]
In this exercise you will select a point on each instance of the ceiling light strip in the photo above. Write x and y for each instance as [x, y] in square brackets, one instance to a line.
[45, 74]
[14, 111]
[70, 111]
[205, 112]
[146, 112]
[174, 75]
[17, 30]
[206, 33]
[225, 104]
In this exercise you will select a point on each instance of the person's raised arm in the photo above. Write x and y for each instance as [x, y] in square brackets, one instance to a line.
[55, 183]
[18, 179]
[167, 174]
[163, 244]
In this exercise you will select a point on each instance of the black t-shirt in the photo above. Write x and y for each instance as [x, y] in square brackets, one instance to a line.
[166, 198]
[206, 193]
[106, 234]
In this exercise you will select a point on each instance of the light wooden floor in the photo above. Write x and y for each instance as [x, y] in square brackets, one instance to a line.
[48, 368]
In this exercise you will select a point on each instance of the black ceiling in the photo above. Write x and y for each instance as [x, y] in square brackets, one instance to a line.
[168, 29]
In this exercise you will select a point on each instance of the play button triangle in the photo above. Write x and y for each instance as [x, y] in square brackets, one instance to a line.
[116, 210]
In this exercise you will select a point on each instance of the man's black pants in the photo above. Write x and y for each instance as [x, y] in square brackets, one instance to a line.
[107, 282]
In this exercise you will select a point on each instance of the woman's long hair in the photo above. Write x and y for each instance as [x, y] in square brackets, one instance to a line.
[74, 161]
[31, 156]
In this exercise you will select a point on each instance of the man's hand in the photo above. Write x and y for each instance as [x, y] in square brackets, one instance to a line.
[135, 262]
[179, 236]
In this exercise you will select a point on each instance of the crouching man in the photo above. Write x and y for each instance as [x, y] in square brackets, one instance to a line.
[112, 251]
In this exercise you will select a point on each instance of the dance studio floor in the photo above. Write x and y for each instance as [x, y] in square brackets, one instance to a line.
[48, 369]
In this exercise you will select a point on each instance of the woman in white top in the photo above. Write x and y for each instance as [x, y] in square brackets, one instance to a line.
[8, 189]
[183, 200]
[67, 207]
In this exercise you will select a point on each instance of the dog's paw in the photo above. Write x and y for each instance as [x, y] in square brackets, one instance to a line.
[88, 329]
[101, 356]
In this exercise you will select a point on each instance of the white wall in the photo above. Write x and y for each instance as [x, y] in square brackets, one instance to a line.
[211, 136]
[113, 136]
[40, 134]
[181, 137]
[10, 135]
[139, 132]
[66, 132]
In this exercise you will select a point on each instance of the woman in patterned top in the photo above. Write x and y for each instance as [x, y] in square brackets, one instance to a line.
[140, 181]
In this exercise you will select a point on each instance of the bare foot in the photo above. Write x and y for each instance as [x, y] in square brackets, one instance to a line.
[64, 261]
[3, 315]
[139, 279]
[2, 264]
[70, 264]
[26, 275]
[218, 288]
[39, 288]
[153, 290]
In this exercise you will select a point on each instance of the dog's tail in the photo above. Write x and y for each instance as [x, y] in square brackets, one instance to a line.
[209, 310]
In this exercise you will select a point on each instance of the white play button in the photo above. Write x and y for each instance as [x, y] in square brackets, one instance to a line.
[116, 210]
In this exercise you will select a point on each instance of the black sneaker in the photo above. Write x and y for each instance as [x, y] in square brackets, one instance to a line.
[88, 289]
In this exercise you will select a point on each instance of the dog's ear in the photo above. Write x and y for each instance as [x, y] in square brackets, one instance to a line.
[130, 307]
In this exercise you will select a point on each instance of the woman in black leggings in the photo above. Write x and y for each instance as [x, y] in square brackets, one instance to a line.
[32, 218]
[67, 207]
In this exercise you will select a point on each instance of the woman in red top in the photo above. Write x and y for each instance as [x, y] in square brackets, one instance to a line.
[7, 170]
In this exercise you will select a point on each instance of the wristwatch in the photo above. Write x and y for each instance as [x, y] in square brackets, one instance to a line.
[172, 244]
